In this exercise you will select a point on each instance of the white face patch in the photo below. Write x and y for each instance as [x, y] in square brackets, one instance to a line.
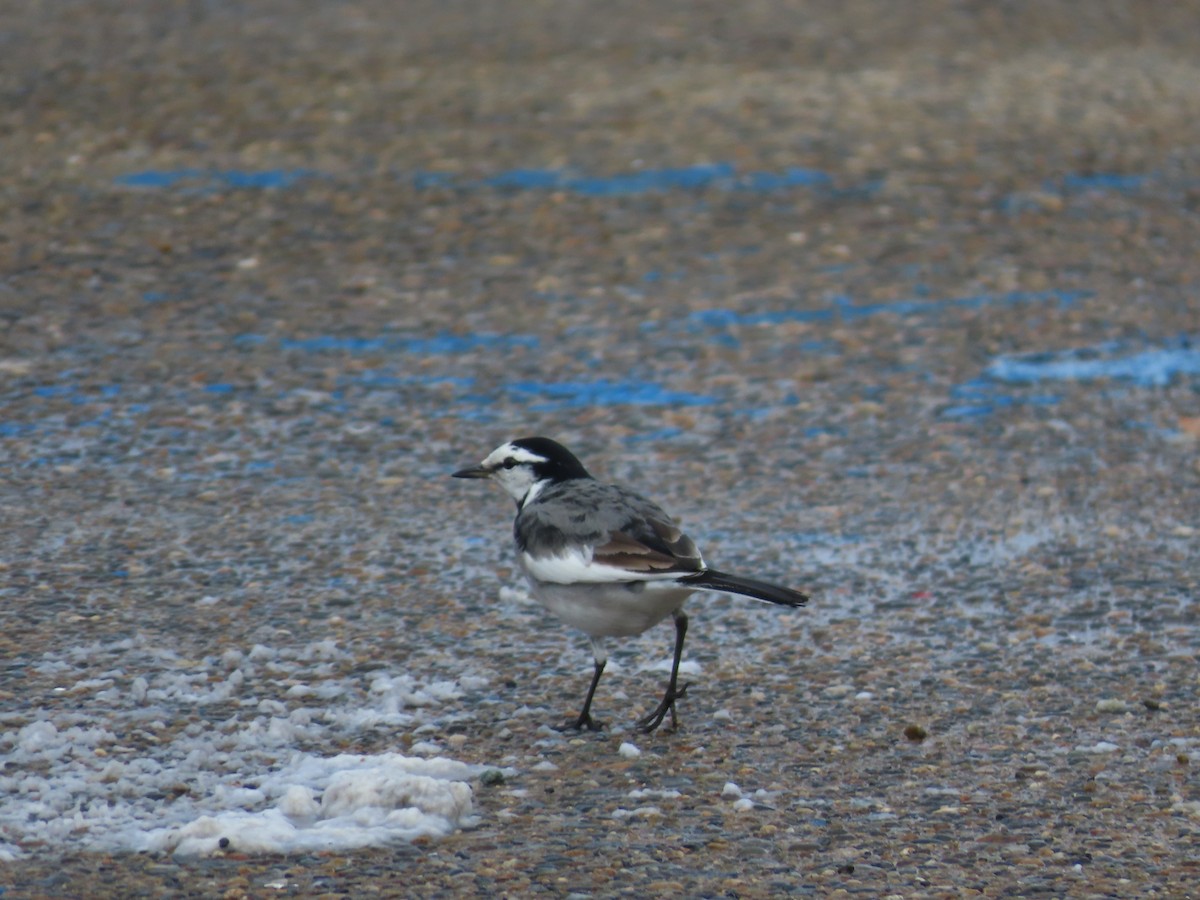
[511, 451]
[518, 479]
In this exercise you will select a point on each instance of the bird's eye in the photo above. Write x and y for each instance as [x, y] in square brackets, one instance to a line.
[510, 463]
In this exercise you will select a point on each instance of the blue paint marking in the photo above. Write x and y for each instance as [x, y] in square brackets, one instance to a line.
[723, 176]
[1147, 368]
[567, 394]
[983, 397]
[54, 390]
[299, 518]
[440, 344]
[968, 411]
[845, 309]
[691, 178]
[1073, 183]
[236, 179]
[767, 182]
[659, 434]
[1156, 367]
[525, 180]
[157, 178]
[423, 181]
[1102, 181]
[481, 414]
[218, 388]
[371, 378]
[271, 178]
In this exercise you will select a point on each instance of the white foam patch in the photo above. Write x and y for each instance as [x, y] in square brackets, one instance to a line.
[335, 803]
[154, 752]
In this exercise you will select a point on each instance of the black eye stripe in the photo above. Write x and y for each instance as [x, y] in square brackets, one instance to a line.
[510, 463]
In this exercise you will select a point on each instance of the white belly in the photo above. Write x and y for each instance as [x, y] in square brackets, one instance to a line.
[613, 609]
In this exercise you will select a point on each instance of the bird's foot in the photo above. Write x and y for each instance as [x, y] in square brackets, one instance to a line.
[649, 723]
[584, 722]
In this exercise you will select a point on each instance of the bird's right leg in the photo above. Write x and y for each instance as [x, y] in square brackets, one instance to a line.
[585, 719]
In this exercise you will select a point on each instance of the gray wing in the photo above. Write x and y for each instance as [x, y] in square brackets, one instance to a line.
[623, 528]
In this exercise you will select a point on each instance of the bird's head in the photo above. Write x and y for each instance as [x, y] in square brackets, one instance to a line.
[527, 464]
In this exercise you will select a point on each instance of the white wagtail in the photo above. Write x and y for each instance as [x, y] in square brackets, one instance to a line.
[604, 559]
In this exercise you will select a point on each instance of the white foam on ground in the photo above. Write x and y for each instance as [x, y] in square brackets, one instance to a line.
[333, 803]
[111, 770]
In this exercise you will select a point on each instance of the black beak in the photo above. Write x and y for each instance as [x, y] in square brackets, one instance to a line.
[473, 472]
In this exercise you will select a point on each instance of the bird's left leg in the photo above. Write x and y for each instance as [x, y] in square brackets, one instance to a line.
[652, 721]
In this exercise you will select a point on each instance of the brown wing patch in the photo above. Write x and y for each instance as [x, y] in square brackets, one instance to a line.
[627, 552]
[680, 546]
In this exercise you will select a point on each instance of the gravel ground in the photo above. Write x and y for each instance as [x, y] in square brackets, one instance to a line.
[900, 308]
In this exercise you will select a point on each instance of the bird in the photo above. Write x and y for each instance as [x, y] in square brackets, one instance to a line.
[605, 559]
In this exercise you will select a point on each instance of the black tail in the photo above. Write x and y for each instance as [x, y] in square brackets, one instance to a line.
[712, 580]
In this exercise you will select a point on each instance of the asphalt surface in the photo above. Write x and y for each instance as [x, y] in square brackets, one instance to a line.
[898, 307]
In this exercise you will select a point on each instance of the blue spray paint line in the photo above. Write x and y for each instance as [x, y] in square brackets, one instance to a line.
[424, 181]
[1072, 184]
[440, 344]
[567, 394]
[768, 182]
[981, 398]
[691, 178]
[158, 178]
[999, 401]
[844, 309]
[372, 378]
[526, 180]
[1148, 368]
[235, 179]
[1100, 181]
[722, 176]
[659, 434]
